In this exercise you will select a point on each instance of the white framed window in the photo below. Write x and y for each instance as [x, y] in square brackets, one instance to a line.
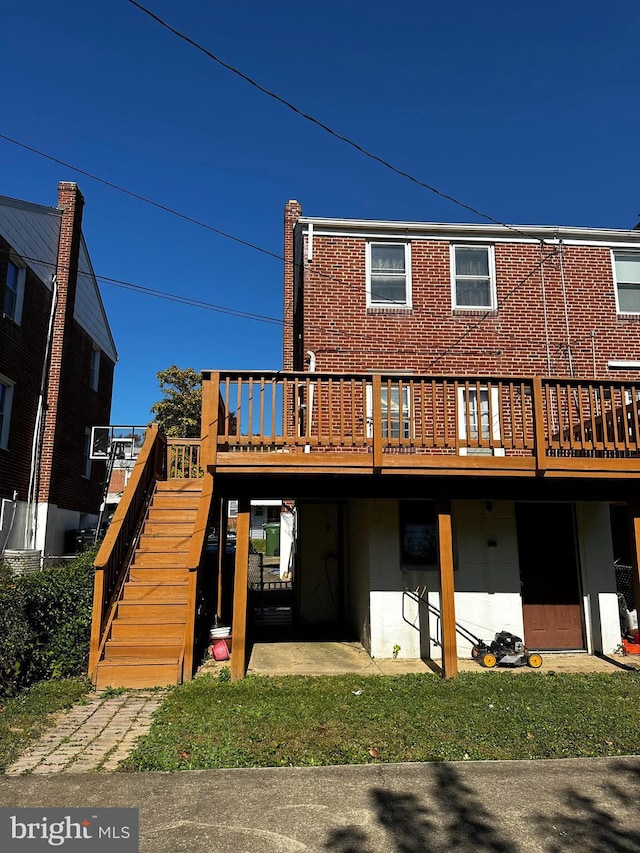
[473, 277]
[395, 403]
[388, 275]
[14, 292]
[86, 455]
[626, 275]
[6, 403]
[479, 420]
[94, 369]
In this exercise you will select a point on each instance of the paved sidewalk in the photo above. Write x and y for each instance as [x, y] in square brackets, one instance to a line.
[95, 735]
[561, 806]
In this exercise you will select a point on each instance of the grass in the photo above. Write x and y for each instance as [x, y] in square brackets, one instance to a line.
[297, 720]
[23, 718]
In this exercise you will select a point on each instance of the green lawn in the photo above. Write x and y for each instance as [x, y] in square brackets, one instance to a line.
[296, 720]
[23, 718]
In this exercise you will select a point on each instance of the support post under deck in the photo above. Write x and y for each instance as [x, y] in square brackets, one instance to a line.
[447, 601]
[240, 592]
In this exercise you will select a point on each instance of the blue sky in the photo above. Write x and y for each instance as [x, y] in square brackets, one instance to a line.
[530, 113]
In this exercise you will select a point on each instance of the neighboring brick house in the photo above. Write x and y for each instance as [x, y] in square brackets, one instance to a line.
[57, 358]
[463, 307]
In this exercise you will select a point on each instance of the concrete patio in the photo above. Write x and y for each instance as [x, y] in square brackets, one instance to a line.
[339, 658]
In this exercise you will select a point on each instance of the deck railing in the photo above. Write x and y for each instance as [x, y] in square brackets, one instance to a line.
[183, 458]
[392, 414]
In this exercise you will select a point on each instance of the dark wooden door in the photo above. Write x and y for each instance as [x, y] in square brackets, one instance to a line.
[551, 605]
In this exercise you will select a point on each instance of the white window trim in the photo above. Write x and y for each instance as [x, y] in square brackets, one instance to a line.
[391, 306]
[619, 310]
[492, 277]
[22, 275]
[8, 406]
[495, 419]
[94, 369]
[407, 401]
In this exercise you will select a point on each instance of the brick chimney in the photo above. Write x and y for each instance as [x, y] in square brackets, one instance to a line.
[71, 204]
[292, 211]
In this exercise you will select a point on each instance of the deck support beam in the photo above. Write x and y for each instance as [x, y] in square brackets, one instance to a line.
[240, 592]
[447, 600]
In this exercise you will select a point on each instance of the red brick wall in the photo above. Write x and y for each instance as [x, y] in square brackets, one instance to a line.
[22, 351]
[291, 214]
[432, 338]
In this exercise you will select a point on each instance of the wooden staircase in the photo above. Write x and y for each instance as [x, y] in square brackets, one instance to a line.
[146, 643]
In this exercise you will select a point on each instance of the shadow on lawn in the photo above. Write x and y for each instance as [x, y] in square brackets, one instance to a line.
[457, 819]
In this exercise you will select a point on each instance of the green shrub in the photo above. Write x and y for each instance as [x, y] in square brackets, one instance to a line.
[45, 623]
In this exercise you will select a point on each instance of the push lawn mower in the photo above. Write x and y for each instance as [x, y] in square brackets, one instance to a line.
[505, 650]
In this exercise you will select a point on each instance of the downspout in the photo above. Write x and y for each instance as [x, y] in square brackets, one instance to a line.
[566, 311]
[312, 369]
[544, 306]
[31, 520]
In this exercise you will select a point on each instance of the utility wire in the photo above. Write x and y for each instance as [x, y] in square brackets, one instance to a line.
[142, 198]
[341, 137]
[508, 295]
[174, 212]
[247, 315]
[163, 294]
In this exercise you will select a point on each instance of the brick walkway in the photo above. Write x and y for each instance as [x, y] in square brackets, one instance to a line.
[96, 735]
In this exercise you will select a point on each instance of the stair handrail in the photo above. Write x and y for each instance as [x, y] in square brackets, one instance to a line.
[122, 579]
[112, 561]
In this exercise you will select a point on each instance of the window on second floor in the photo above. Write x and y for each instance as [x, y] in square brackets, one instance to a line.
[14, 292]
[388, 275]
[626, 267]
[473, 280]
[6, 401]
[94, 369]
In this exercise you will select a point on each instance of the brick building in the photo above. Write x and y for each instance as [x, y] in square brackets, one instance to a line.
[57, 358]
[467, 314]
[458, 423]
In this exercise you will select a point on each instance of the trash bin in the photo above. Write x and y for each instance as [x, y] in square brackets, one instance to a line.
[272, 534]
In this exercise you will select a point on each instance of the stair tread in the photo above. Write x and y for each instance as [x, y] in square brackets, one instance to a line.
[136, 661]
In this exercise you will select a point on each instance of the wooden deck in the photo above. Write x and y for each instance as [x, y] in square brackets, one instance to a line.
[302, 423]
[291, 432]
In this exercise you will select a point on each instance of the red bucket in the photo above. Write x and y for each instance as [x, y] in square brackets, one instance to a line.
[220, 650]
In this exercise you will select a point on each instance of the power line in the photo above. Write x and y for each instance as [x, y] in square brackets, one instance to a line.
[247, 315]
[142, 198]
[341, 137]
[163, 294]
[487, 314]
[179, 214]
